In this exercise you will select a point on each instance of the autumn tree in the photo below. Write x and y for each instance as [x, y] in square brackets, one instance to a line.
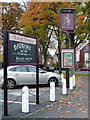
[11, 13]
[82, 24]
[0, 29]
[41, 17]
[41, 20]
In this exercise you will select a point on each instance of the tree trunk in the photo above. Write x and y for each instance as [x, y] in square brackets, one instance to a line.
[45, 60]
[40, 56]
[59, 56]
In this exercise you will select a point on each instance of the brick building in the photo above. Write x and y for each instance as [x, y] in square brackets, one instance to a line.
[83, 55]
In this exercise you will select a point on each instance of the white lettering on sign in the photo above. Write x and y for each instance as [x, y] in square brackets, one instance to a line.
[20, 38]
[22, 59]
[22, 46]
[67, 50]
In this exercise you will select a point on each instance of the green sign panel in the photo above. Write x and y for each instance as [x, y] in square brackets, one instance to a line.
[67, 59]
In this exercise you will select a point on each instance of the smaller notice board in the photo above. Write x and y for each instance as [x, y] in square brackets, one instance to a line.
[67, 58]
[22, 49]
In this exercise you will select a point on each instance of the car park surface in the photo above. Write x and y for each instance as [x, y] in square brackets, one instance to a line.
[26, 75]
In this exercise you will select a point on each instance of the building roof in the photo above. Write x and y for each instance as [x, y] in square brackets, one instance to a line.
[50, 56]
[87, 50]
[81, 45]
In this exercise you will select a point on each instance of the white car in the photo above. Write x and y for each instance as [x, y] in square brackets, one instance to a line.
[26, 75]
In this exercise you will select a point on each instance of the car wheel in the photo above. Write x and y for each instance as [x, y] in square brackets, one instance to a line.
[54, 80]
[10, 84]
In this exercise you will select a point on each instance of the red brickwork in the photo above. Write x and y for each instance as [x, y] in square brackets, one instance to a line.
[80, 63]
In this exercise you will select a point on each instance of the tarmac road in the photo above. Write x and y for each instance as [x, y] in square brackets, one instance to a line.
[73, 105]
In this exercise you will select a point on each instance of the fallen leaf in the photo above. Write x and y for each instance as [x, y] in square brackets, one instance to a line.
[67, 98]
[62, 117]
[70, 105]
[62, 98]
[48, 89]
[48, 106]
[43, 104]
[15, 99]
[71, 97]
[52, 105]
[74, 105]
[83, 103]
[67, 111]
[84, 111]
[81, 95]
[61, 101]
[59, 108]
[74, 111]
[79, 104]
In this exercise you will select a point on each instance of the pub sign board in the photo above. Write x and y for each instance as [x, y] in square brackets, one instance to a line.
[67, 58]
[68, 19]
[22, 49]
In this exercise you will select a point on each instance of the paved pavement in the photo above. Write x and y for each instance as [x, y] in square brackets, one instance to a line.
[72, 105]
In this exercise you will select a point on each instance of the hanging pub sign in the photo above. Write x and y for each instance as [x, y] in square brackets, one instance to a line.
[67, 58]
[22, 49]
[68, 19]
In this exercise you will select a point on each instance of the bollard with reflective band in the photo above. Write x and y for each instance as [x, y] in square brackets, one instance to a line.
[64, 89]
[52, 91]
[71, 83]
[25, 99]
[62, 77]
[73, 80]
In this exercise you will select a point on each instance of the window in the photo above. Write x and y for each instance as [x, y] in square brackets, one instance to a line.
[21, 69]
[12, 69]
[32, 69]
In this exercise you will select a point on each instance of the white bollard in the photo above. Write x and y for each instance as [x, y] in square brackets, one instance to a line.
[73, 80]
[62, 77]
[64, 89]
[71, 83]
[25, 99]
[52, 91]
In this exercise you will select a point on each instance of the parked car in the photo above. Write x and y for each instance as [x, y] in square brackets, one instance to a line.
[26, 75]
[85, 69]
